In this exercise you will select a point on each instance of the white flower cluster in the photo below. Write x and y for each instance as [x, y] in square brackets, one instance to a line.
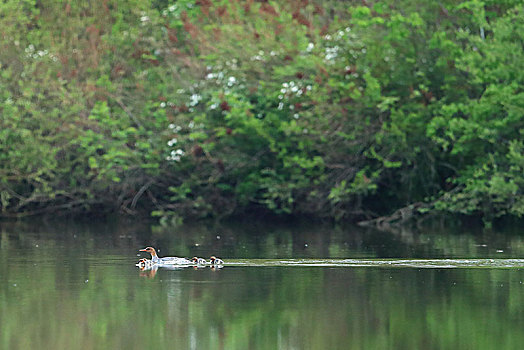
[144, 18]
[258, 57]
[31, 53]
[331, 53]
[261, 55]
[310, 47]
[175, 128]
[194, 100]
[176, 155]
[220, 77]
[169, 10]
[215, 76]
[291, 87]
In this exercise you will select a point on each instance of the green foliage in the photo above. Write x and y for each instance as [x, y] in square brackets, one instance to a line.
[219, 107]
[482, 133]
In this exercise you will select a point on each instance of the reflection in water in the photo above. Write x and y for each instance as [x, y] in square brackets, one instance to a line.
[91, 295]
[149, 272]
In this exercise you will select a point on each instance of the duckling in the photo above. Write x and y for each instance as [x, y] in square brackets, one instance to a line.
[199, 261]
[215, 261]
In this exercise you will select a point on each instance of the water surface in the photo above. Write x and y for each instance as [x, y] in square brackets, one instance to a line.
[66, 285]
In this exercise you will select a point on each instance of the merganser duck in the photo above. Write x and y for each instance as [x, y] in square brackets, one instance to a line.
[170, 260]
[199, 261]
[215, 261]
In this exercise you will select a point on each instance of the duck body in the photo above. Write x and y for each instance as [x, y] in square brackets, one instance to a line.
[169, 260]
[216, 261]
[173, 261]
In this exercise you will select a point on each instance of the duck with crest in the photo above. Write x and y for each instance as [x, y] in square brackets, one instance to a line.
[169, 260]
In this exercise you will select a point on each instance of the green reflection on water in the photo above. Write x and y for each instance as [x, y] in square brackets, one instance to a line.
[79, 289]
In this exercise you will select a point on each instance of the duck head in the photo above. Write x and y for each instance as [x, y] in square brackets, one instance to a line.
[149, 250]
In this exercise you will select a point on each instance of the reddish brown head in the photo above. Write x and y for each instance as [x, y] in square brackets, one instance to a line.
[149, 250]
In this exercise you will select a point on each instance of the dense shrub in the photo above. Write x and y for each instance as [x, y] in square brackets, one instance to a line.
[212, 108]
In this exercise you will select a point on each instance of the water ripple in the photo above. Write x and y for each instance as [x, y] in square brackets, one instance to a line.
[409, 263]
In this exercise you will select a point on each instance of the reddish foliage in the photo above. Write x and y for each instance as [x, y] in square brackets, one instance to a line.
[318, 10]
[350, 70]
[217, 32]
[190, 28]
[139, 53]
[118, 70]
[304, 21]
[324, 29]
[267, 8]
[92, 30]
[257, 36]
[247, 7]
[428, 96]
[301, 19]
[299, 75]
[197, 151]
[171, 34]
[222, 11]
[220, 165]
[204, 6]
[229, 131]
[278, 29]
[288, 58]
[154, 62]
[225, 106]
[172, 38]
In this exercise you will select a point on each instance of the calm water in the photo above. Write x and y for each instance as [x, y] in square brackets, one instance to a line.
[74, 286]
